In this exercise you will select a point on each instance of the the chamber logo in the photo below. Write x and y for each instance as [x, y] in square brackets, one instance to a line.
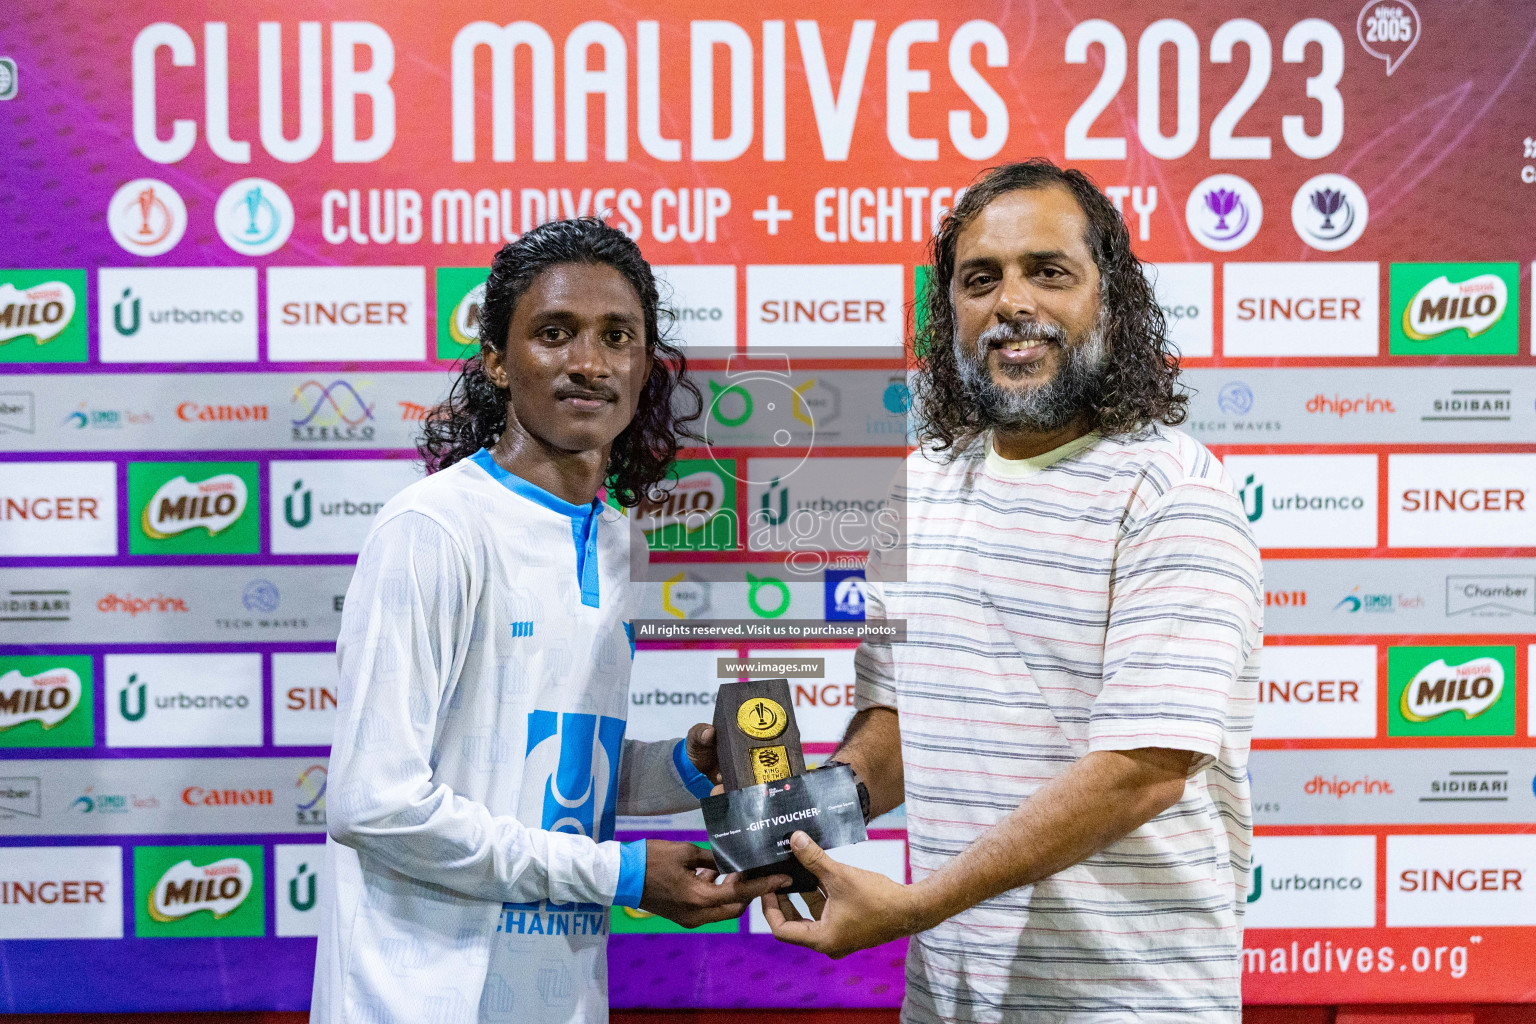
[185, 889]
[180, 505]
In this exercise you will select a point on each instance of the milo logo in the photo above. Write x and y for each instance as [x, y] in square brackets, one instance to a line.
[464, 322]
[1438, 688]
[39, 311]
[1441, 305]
[185, 889]
[180, 505]
[47, 698]
[689, 503]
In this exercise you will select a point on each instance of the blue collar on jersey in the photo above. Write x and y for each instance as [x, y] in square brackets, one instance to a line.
[583, 520]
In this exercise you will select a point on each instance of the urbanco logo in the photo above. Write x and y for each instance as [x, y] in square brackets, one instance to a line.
[177, 314]
[178, 700]
[327, 507]
[1308, 501]
[1312, 882]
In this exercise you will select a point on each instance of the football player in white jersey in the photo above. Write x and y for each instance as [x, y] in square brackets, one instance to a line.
[479, 761]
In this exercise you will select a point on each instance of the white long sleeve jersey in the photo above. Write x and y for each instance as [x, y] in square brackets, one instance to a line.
[479, 760]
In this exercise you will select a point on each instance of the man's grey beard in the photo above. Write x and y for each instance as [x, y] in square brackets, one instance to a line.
[1040, 408]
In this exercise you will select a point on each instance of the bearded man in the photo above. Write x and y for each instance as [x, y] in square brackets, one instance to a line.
[1068, 719]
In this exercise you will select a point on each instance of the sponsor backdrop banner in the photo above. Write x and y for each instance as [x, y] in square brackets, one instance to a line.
[243, 251]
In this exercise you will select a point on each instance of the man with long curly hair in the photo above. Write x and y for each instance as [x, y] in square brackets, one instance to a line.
[1068, 718]
[479, 757]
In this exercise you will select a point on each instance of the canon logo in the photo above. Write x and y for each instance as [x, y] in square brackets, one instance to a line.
[193, 412]
[1468, 499]
[197, 796]
[1285, 598]
[1461, 880]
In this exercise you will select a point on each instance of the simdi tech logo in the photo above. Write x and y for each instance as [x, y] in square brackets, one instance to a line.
[198, 891]
[1451, 691]
[196, 508]
[42, 316]
[1455, 309]
[47, 701]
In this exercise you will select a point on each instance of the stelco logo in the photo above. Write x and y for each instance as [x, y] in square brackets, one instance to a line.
[185, 889]
[180, 505]
[39, 311]
[48, 697]
[1471, 688]
[1475, 304]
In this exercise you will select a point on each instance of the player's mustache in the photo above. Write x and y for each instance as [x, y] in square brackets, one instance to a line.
[1020, 330]
[571, 391]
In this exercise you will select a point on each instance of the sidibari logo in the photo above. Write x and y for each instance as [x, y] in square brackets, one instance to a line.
[47, 698]
[179, 505]
[39, 311]
[185, 889]
[1442, 305]
[1438, 689]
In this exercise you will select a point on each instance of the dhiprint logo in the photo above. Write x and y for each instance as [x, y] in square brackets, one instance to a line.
[195, 891]
[572, 771]
[254, 217]
[1224, 212]
[1330, 212]
[146, 217]
[331, 412]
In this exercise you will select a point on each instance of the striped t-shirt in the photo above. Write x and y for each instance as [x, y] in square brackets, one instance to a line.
[1104, 596]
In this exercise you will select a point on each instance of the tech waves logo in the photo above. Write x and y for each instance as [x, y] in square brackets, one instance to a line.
[185, 889]
[179, 505]
[331, 412]
[47, 698]
[39, 311]
[1438, 689]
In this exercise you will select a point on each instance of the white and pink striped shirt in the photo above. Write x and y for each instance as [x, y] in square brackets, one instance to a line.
[1104, 596]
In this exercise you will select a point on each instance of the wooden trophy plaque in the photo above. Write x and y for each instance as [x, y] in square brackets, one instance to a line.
[756, 737]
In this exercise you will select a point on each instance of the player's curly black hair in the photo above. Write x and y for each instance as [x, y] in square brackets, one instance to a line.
[1140, 382]
[475, 413]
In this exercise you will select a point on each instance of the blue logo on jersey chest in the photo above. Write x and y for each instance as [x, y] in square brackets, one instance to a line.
[581, 789]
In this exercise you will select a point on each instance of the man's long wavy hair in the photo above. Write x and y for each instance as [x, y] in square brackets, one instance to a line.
[475, 413]
[1140, 383]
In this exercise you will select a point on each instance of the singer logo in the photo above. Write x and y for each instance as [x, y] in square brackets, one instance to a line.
[1341, 788]
[1439, 689]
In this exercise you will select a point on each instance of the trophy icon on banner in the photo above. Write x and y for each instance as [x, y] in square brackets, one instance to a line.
[768, 793]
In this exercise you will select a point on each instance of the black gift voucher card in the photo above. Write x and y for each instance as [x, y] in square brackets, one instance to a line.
[749, 828]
